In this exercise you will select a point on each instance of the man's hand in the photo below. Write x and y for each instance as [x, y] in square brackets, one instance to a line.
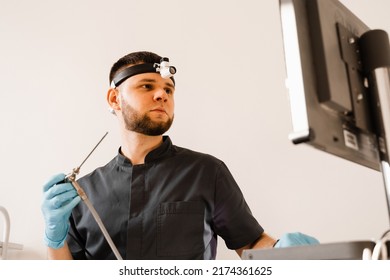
[295, 239]
[58, 201]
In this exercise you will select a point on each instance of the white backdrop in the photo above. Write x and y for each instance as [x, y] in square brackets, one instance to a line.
[230, 102]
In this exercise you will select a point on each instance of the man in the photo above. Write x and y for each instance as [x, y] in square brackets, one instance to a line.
[157, 200]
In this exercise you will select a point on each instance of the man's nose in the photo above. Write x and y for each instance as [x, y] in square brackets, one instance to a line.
[160, 95]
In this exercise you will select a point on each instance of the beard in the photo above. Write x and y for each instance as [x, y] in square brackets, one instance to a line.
[142, 123]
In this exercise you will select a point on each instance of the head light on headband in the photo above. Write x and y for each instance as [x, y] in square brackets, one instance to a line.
[164, 68]
[166, 71]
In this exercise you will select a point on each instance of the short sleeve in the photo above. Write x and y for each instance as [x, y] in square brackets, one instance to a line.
[232, 217]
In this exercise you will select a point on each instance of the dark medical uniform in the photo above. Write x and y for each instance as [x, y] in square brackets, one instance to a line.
[171, 207]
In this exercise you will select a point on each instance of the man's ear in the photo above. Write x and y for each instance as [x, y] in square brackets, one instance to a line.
[113, 99]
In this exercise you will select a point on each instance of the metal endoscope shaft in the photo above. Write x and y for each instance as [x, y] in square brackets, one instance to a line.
[76, 170]
[92, 150]
[72, 179]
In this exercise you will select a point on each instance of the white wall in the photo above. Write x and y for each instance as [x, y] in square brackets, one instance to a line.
[230, 102]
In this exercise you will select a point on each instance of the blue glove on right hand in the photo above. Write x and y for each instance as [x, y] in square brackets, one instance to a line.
[295, 239]
[57, 205]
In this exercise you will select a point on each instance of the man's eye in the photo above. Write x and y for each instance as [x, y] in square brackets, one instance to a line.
[168, 91]
[147, 86]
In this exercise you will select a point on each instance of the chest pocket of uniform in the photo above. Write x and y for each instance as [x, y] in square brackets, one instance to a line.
[180, 229]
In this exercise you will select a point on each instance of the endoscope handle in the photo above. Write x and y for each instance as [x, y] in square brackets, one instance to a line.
[71, 178]
[78, 188]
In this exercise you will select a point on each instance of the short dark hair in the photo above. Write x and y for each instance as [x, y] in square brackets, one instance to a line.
[133, 58]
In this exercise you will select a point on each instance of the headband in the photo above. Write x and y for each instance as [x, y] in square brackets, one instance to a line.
[165, 70]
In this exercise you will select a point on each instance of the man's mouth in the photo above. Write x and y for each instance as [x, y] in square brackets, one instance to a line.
[159, 110]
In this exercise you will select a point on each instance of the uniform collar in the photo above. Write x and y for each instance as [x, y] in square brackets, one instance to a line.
[161, 151]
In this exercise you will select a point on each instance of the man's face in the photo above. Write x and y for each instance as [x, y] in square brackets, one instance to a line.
[147, 103]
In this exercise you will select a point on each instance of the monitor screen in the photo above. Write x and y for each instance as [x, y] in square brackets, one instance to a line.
[328, 91]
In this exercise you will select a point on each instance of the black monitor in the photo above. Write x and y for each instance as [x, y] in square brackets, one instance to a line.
[328, 90]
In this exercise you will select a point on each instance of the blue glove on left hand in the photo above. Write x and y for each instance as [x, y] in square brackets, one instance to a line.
[295, 239]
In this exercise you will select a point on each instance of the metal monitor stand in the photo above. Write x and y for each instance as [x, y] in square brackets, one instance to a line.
[386, 178]
[375, 54]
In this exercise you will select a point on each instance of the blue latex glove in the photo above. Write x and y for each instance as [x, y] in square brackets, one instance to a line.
[57, 205]
[295, 239]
